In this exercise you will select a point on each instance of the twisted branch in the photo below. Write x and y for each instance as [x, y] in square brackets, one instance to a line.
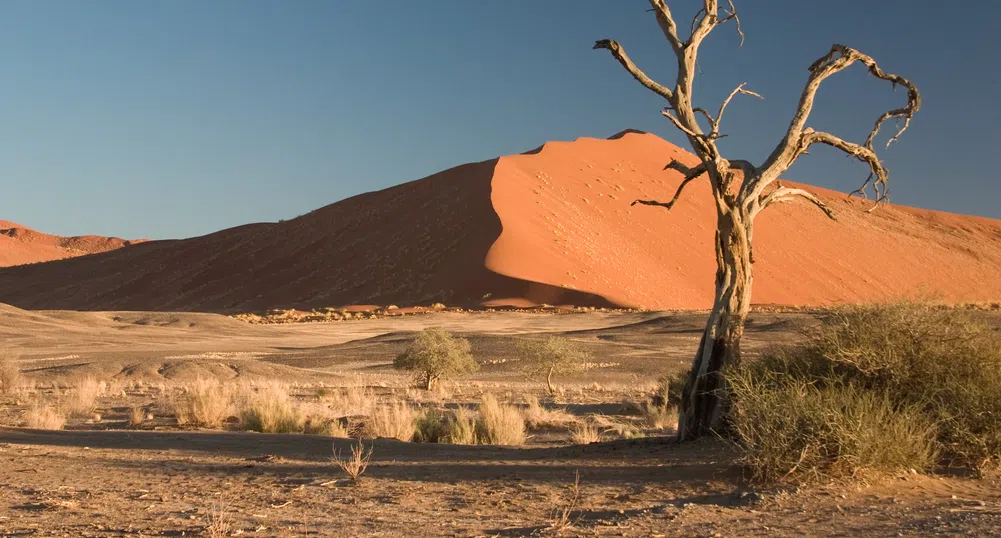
[785, 194]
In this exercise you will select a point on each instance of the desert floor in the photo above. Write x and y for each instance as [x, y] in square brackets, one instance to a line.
[99, 476]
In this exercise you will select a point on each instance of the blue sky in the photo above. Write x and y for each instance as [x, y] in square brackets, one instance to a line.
[174, 119]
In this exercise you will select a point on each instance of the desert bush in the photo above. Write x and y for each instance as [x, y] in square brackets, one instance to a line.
[554, 356]
[878, 386]
[499, 424]
[207, 403]
[669, 389]
[83, 399]
[538, 416]
[357, 463]
[10, 374]
[435, 354]
[456, 427]
[45, 417]
[392, 419]
[271, 410]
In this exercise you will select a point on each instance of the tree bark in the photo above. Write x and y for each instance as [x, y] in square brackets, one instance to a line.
[549, 382]
[702, 402]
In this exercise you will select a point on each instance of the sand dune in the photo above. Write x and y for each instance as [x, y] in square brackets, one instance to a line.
[549, 226]
[21, 245]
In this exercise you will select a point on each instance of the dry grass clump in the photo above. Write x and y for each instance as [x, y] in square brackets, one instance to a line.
[457, 427]
[499, 424]
[562, 517]
[136, 415]
[538, 416]
[271, 410]
[44, 417]
[392, 419]
[585, 433]
[881, 387]
[208, 403]
[10, 374]
[350, 401]
[357, 463]
[82, 401]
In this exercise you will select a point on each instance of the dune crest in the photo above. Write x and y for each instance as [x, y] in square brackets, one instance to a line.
[21, 245]
[552, 225]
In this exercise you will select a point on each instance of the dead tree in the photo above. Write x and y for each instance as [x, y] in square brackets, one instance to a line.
[742, 189]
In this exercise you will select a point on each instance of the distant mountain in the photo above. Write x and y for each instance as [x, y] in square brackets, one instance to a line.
[20, 245]
[553, 225]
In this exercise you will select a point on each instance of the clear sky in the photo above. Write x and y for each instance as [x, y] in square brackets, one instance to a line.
[173, 119]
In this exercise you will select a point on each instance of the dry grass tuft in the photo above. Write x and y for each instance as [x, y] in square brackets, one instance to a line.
[457, 427]
[83, 399]
[393, 419]
[45, 417]
[585, 433]
[137, 415]
[562, 518]
[499, 424]
[350, 401]
[357, 463]
[208, 403]
[538, 416]
[271, 410]
[10, 374]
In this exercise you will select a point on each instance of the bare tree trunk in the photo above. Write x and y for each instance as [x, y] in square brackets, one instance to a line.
[702, 402]
[549, 382]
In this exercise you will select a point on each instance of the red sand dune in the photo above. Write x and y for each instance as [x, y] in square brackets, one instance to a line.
[20, 245]
[549, 226]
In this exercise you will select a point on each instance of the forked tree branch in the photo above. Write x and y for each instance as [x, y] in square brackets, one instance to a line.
[798, 138]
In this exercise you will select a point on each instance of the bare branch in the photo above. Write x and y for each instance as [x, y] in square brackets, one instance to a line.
[620, 54]
[667, 25]
[702, 27]
[677, 123]
[732, 14]
[690, 174]
[798, 139]
[785, 194]
[722, 107]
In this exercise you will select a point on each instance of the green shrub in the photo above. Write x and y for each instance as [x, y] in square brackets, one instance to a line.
[865, 390]
[554, 356]
[435, 354]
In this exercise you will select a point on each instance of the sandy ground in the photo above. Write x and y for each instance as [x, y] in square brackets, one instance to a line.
[20, 245]
[106, 479]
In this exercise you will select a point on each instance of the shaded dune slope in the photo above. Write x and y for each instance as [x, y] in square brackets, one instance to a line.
[553, 225]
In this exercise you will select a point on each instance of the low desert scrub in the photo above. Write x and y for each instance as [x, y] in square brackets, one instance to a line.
[585, 433]
[434, 355]
[83, 399]
[538, 416]
[327, 428]
[270, 409]
[357, 463]
[882, 387]
[499, 424]
[457, 427]
[658, 417]
[555, 356]
[207, 403]
[392, 419]
[610, 426]
[10, 374]
[45, 417]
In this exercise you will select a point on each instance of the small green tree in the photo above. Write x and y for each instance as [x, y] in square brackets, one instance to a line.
[552, 357]
[435, 354]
